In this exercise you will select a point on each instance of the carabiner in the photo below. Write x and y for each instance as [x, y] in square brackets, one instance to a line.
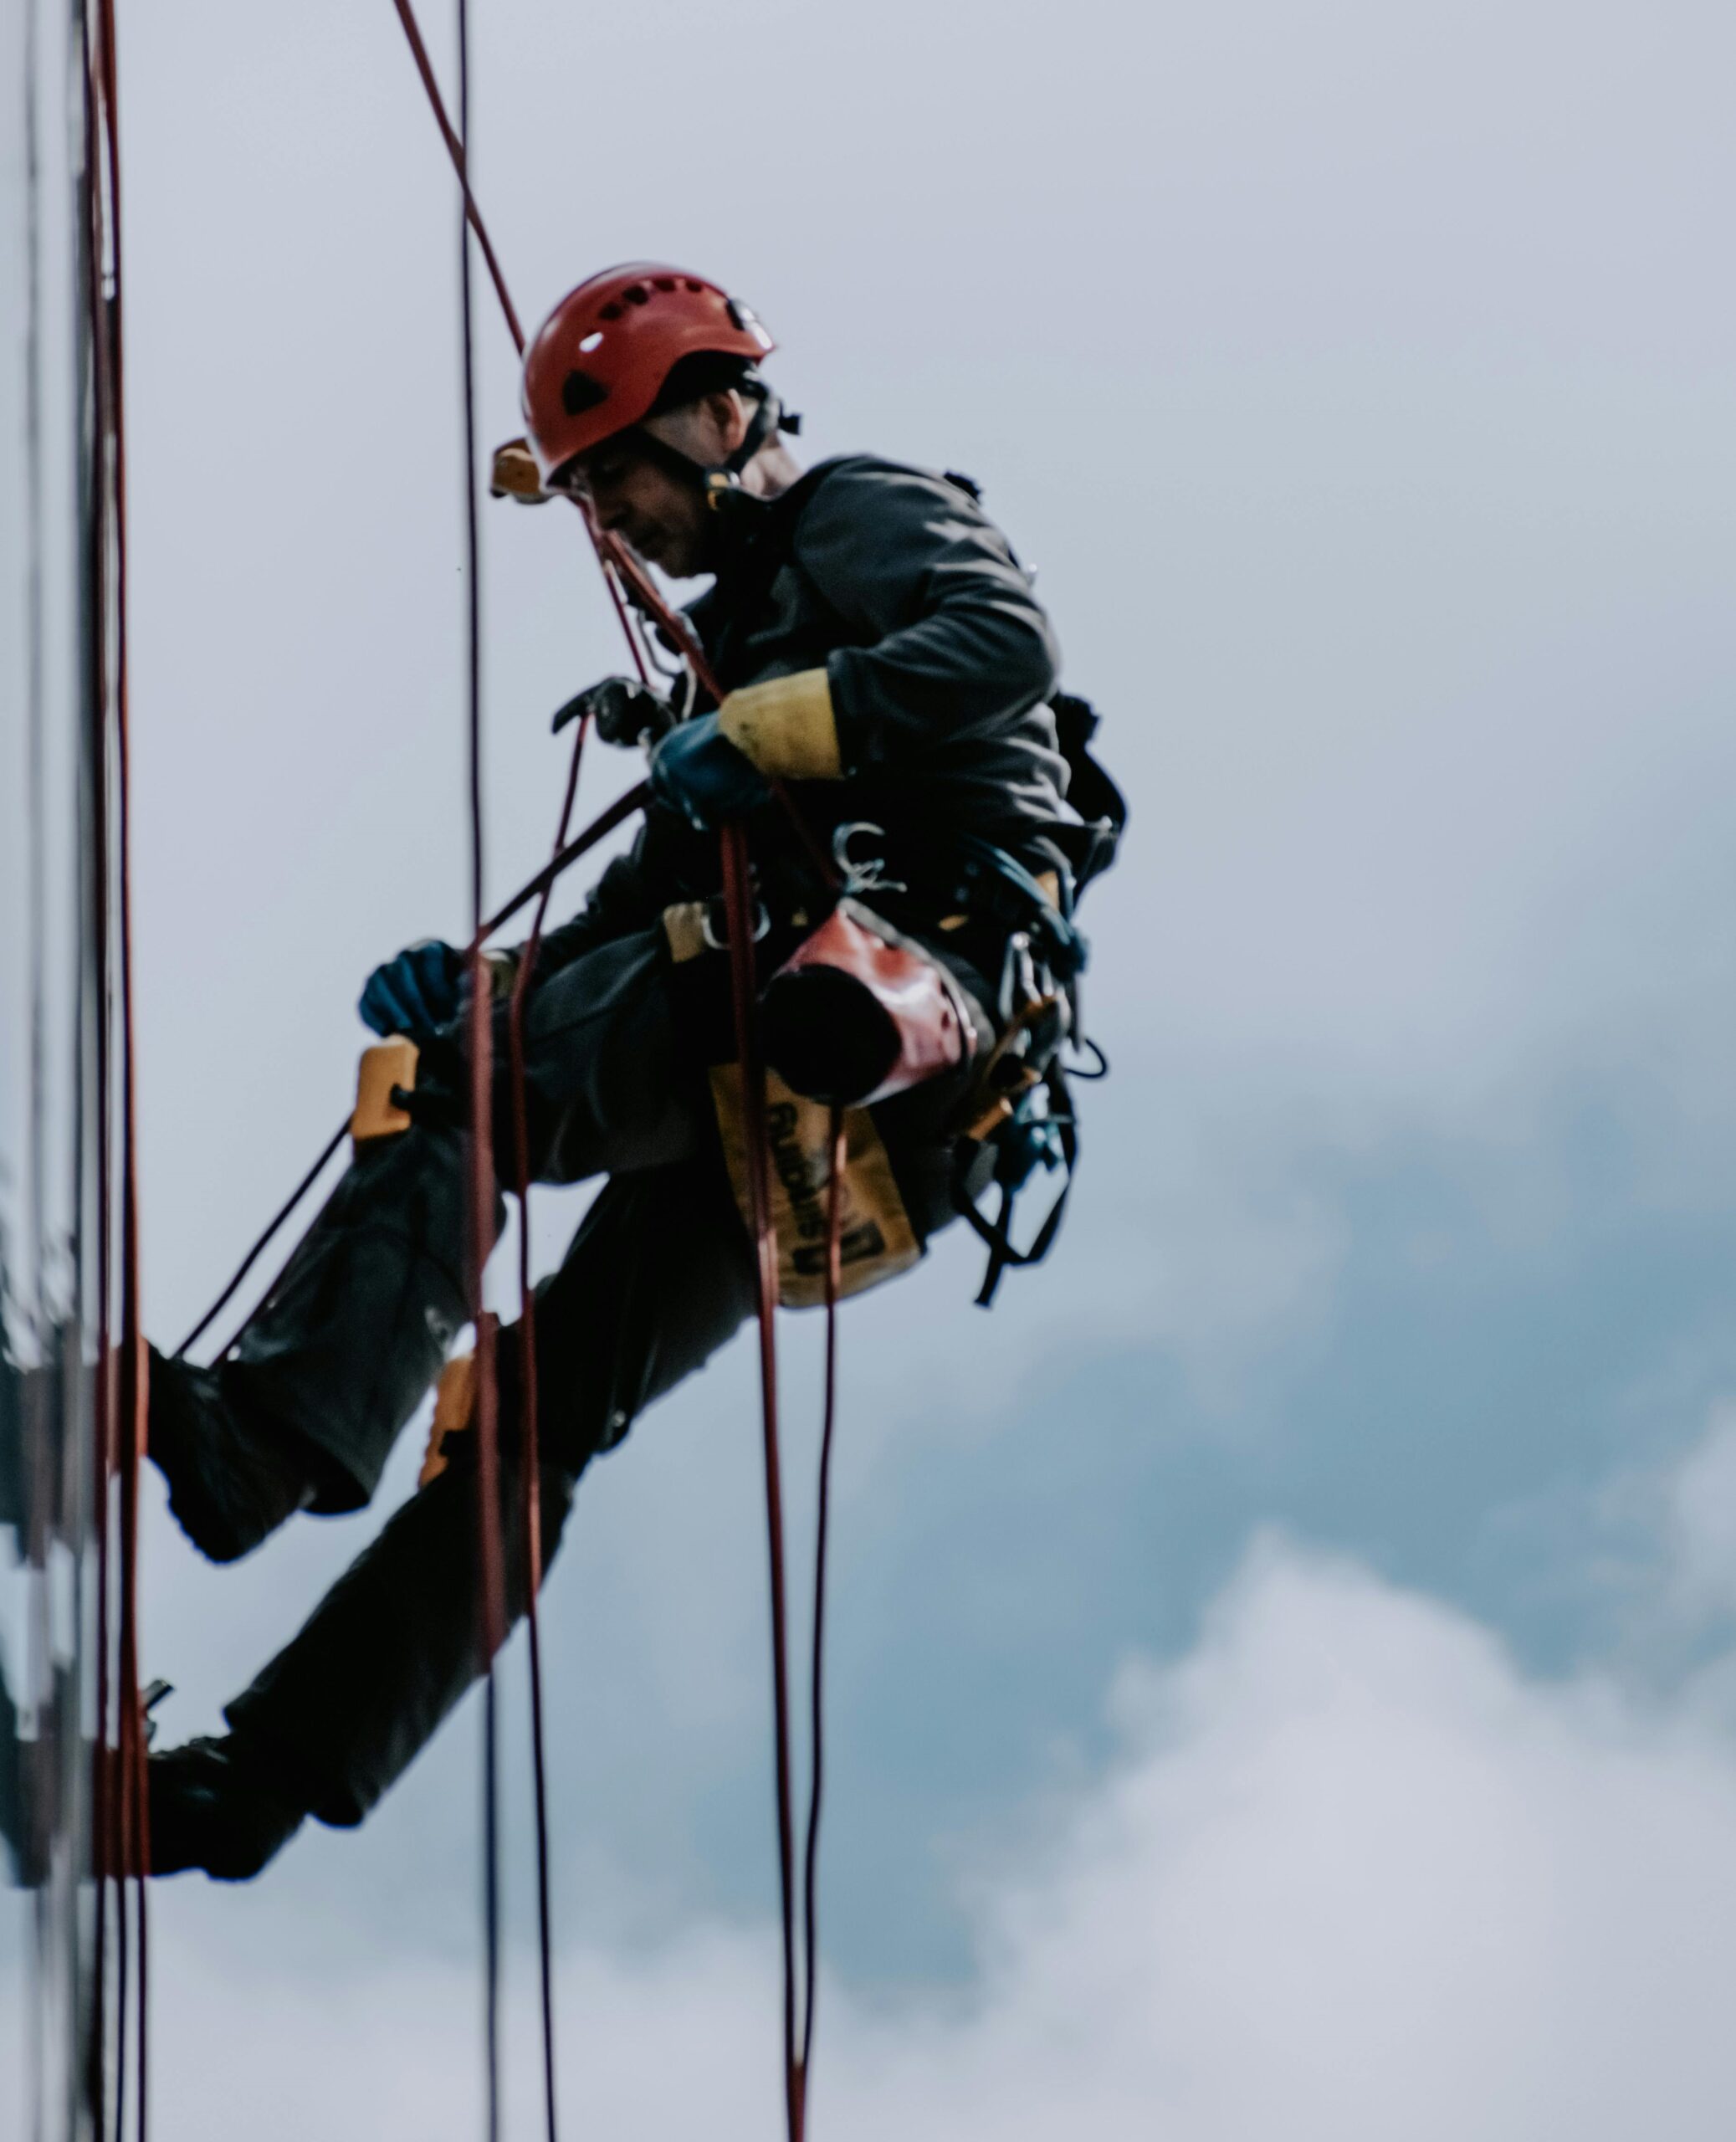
[867, 876]
[708, 928]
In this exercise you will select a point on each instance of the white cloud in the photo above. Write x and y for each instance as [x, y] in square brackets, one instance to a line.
[1353, 1876]
[1700, 1508]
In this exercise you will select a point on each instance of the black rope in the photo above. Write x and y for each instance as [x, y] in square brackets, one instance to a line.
[120, 1824]
[837, 1158]
[482, 1165]
[622, 809]
[263, 1243]
[530, 1452]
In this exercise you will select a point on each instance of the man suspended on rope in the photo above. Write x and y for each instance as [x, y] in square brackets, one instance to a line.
[883, 659]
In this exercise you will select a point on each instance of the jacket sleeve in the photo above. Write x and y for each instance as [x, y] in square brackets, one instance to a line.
[954, 641]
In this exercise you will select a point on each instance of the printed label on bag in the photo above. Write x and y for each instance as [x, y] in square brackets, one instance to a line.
[876, 1239]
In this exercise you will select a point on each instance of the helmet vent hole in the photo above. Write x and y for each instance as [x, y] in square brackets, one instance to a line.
[665, 282]
[636, 294]
[592, 342]
[579, 392]
[692, 285]
[611, 310]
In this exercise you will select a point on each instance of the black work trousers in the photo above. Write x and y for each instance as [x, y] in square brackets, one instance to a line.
[345, 1347]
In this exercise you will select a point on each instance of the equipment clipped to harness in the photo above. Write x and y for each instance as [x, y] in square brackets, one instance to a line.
[1018, 1117]
[1024, 1121]
[858, 1013]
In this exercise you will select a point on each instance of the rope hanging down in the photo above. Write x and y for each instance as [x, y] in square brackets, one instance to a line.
[119, 1812]
[630, 591]
[619, 566]
[119, 1781]
[480, 1186]
[531, 1456]
[616, 815]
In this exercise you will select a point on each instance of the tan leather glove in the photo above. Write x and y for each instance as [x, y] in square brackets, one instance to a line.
[786, 726]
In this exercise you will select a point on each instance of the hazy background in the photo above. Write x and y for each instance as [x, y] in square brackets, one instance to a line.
[1282, 1672]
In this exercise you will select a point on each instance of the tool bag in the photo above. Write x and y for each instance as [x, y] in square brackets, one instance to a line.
[858, 1013]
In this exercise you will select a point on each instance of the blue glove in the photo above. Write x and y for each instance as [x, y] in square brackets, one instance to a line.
[419, 991]
[697, 770]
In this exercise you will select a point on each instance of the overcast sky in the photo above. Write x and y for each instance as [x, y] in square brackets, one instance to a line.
[1283, 1657]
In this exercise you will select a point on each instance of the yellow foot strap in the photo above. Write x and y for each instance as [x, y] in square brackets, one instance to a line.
[386, 1064]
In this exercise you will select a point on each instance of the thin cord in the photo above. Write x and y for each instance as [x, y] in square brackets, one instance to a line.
[36, 778]
[529, 1437]
[119, 1786]
[737, 905]
[612, 554]
[263, 1243]
[455, 145]
[104, 1799]
[836, 1156]
[618, 559]
[39, 1669]
[482, 1169]
[622, 809]
[95, 891]
[131, 1420]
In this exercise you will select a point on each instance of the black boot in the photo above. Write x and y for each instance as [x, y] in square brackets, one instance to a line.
[217, 1806]
[232, 1478]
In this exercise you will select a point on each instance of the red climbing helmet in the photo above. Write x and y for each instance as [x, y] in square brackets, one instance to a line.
[599, 361]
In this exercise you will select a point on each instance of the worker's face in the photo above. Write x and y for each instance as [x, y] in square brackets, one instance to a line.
[665, 517]
[637, 498]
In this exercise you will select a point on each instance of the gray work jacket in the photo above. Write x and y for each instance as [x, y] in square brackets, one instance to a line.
[940, 662]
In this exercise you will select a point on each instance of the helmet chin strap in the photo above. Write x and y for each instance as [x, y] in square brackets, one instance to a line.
[720, 481]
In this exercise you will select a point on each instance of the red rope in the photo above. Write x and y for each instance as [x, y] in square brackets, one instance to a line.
[481, 1153]
[836, 1157]
[619, 561]
[455, 150]
[120, 1797]
[105, 1800]
[530, 1437]
[737, 905]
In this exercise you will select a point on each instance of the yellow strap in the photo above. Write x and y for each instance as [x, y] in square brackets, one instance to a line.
[454, 1397]
[388, 1064]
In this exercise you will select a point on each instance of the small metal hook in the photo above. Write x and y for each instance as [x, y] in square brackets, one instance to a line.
[1018, 977]
[868, 876]
[708, 929]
